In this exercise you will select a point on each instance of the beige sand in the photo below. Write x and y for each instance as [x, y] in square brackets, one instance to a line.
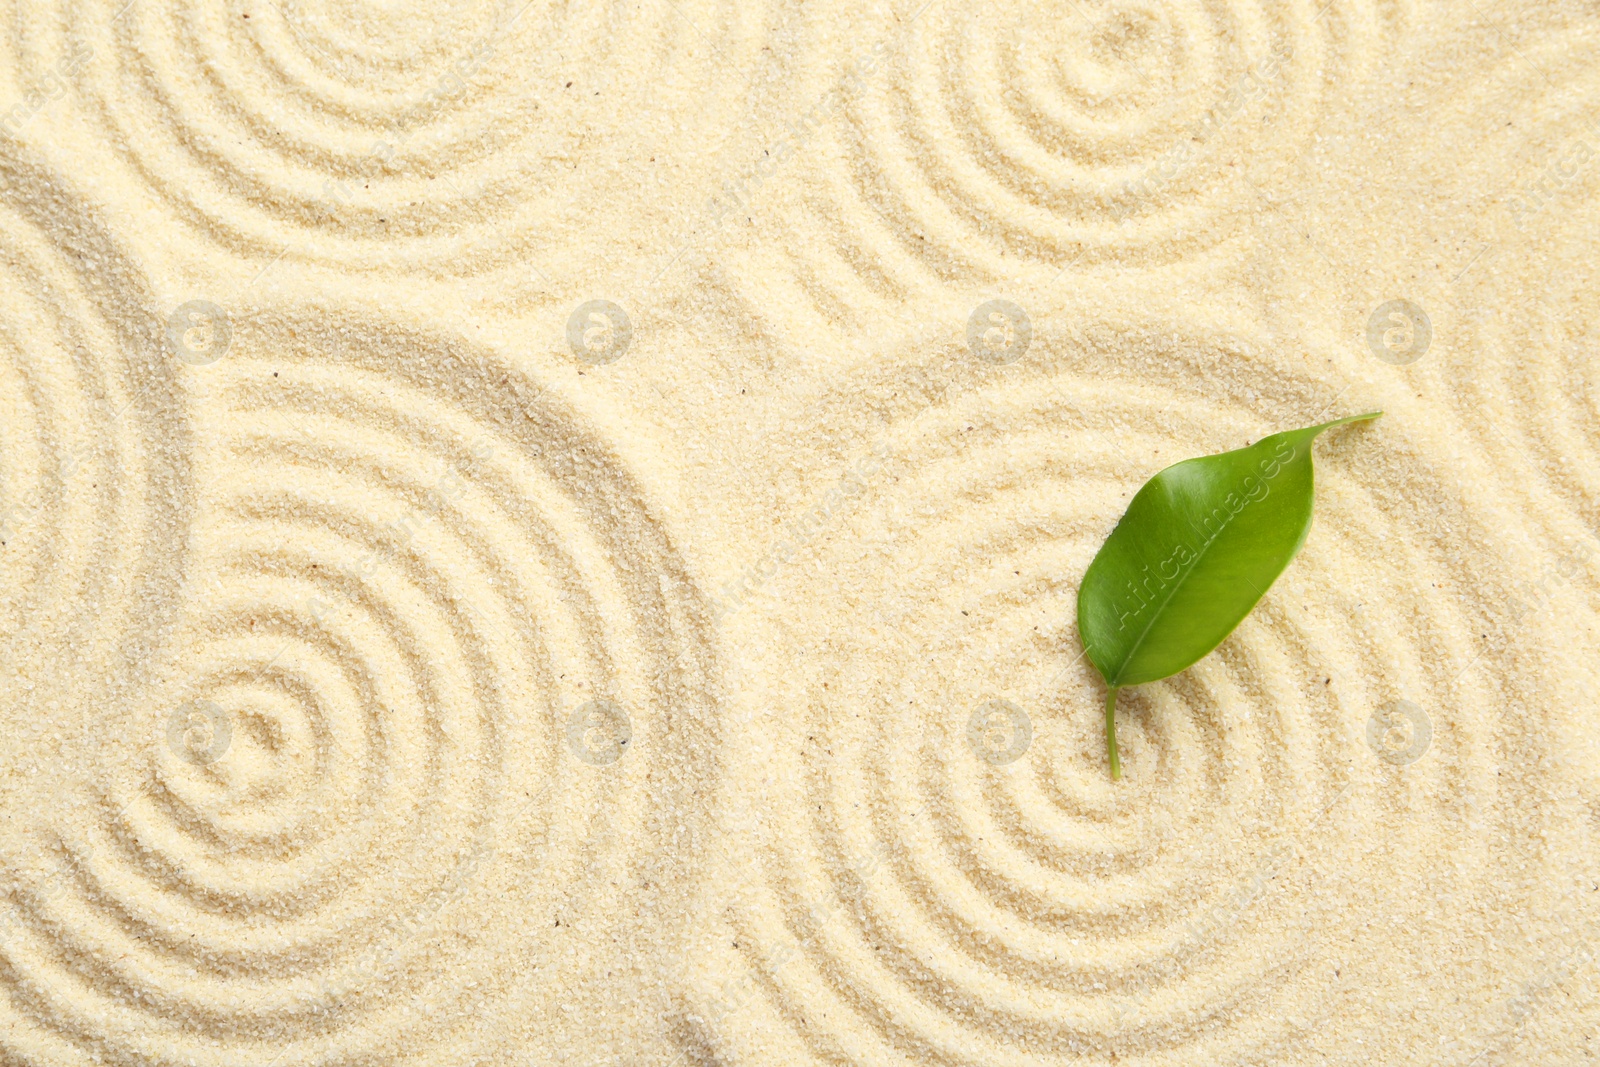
[548, 533]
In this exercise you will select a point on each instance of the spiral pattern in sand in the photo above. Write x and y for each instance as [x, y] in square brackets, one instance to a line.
[473, 139]
[970, 144]
[414, 569]
[946, 873]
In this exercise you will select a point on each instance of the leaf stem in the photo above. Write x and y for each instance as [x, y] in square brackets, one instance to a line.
[1111, 732]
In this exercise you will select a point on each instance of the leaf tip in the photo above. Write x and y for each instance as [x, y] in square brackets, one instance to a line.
[1347, 420]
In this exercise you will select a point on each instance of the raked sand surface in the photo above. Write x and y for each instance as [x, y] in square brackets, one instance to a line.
[548, 533]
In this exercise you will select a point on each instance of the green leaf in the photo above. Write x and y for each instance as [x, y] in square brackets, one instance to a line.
[1200, 544]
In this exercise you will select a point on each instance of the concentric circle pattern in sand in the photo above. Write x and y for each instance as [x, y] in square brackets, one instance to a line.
[475, 139]
[365, 826]
[93, 481]
[1522, 365]
[609, 599]
[970, 143]
[935, 883]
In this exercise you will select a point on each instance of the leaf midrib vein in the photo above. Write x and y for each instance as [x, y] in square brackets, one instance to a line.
[1176, 584]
